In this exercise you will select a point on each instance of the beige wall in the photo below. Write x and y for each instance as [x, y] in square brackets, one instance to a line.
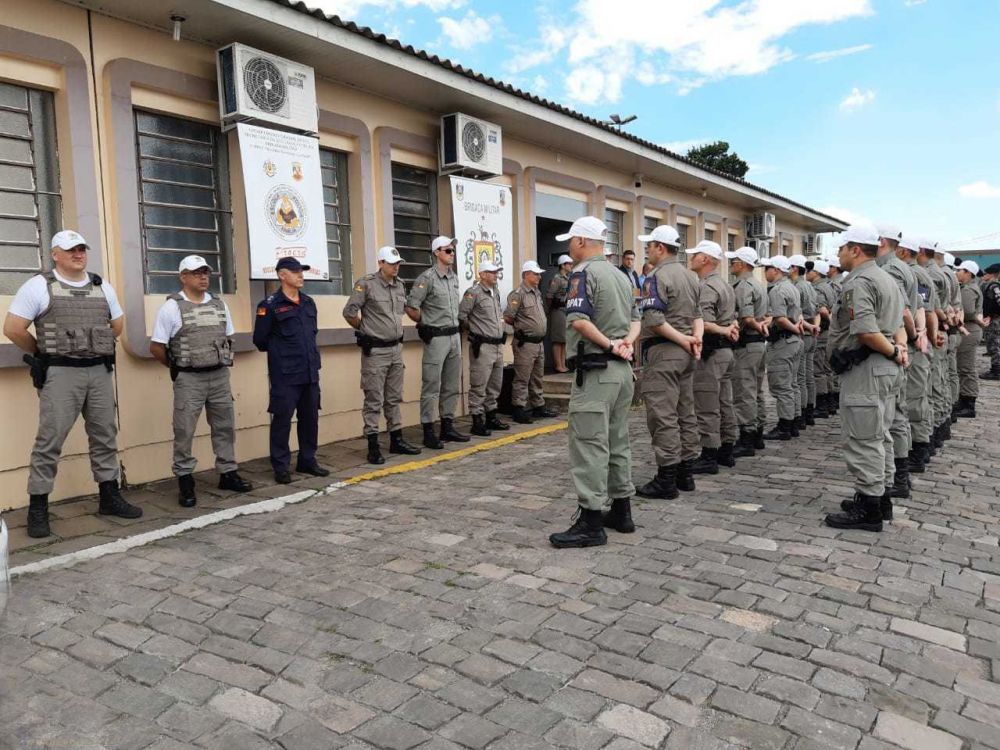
[143, 387]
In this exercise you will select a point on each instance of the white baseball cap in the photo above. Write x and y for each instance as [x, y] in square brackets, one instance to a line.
[67, 239]
[858, 234]
[889, 231]
[936, 246]
[780, 262]
[949, 259]
[440, 242]
[746, 253]
[927, 244]
[797, 260]
[531, 266]
[488, 266]
[193, 263]
[564, 259]
[587, 227]
[664, 233]
[834, 262]
[709, 248]
[389, 254]
[969, 265]
[608, 252]
[909, 243]
[821, 267]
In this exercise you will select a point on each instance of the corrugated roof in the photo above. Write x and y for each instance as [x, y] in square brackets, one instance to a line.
[420, 54]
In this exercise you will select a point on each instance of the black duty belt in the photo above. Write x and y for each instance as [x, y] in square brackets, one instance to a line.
[649, 343]
[780, 333]
[712, 342]
[842, 360]
[954, 332]
[81, 361]
[212, 368]
[367, 343]
[747, 337]
[824, 324]
[584, 362]
[426, 333]
[476, 342]
[556, 304]
[523, 338]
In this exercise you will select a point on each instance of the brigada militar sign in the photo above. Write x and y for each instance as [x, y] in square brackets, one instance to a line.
[284, 190]
[484, 228]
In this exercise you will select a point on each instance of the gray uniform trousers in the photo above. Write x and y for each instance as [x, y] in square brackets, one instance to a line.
[900, 426]
[599, 449]
[867, 404]
[713, 399]
[799, 379]
[809, 366]
[68, 392]
[954, 342]
[382, 383]
[748, 363]
[992, 337]
[967, 354]
[761, 380]
[485, 378]
[940, 391]
[194, 391]
[821, 365]
[668, 391]
[441, 373]
[918, 397]
[782, 364]
[529, 369]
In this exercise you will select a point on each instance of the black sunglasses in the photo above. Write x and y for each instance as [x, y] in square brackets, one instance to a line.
[448, 249]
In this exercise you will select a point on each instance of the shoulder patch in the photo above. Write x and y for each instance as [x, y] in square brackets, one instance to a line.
[261, 312]
[651, 299]
[577, 299]
[359, 287]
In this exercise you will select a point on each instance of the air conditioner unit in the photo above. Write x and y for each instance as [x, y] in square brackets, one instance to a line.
[761, 226]
[763, 248]
[470, 146]
[808, 244]
[258, 87]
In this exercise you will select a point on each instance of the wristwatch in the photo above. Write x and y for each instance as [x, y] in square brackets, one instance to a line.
[896, 349]
[610, 348]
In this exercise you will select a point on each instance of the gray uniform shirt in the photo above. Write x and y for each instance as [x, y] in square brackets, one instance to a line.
[556, 293]
[436, 296]
[953, 287]
[926, 294]
[870, 303]
[381, 306]
[600, 293]
[904, 278]
[826, 295]
[751, 297]
[480, 311]
[525, 308]
[670, 295]
[783, 300]
[943, 296]
[716, 300]
[972, 301]
[807, 295]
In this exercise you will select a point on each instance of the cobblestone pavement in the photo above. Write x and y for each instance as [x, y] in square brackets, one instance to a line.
[426, 610]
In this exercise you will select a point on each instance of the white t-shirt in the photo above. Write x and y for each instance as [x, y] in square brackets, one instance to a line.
[32, 299]
[168, 320]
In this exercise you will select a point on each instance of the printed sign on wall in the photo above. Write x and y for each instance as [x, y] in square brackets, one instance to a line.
[484, 228]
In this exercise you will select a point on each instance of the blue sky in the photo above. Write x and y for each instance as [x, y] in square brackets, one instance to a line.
[886, 110]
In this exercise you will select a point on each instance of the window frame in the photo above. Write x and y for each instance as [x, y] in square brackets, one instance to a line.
[412, 267]
[341, 167]
[614, 219]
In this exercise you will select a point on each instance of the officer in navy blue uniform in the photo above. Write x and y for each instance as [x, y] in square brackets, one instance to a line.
[286, 329]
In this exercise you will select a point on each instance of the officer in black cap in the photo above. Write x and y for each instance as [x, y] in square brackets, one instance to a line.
[286, 329]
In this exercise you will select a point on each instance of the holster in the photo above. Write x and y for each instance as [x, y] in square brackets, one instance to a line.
[842, 360]
[426, 333]
[583, 362]
[476, 342]
[38, 368]
[522, 338]
[367, 343]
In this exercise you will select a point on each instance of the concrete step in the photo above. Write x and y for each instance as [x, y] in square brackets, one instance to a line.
[557, 401]
[560, 382]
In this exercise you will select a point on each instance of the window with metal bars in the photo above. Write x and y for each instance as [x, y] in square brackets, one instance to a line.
[336, 205]
[414, 217]
[731, 242]
[614, 220]
[30, 200]
[649, 223]
[184, 200]
[709, 234]
[682, 230]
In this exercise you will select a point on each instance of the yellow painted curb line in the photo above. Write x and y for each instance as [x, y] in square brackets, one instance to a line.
[452, 455]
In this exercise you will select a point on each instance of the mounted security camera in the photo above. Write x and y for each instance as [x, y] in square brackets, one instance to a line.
[637, 180]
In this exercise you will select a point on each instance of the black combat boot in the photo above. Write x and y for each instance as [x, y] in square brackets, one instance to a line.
[231, 480]
[186, 498]
[744, 447]
[479, 426]
[758, 439]
[945, 431]
[619, 517]
[964, 409]
[834, 402]
[992, 374]
[808, 416]
[685, 476]
[799, 423]
[937, 438]
[586, 531]
[374, 452]
[727, 456]
[821, 411]
[398, 445]
[38, 516]
[901, 479]
[918, 458]
[707, 462]
[113, 504]
[521, 415]
[865, 514]
[493, 422]
[884, 505]
[544, 412]
[450, 434]
[430, 437]
[663, 486]
[781, 431]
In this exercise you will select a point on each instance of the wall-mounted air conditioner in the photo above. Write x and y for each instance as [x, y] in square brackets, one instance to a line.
[261, 88]
[761, 226]
[808, 244]
[470, 146]
[763, 248]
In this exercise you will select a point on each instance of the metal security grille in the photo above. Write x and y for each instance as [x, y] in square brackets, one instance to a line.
[336, 205]
[710, 234]
[30, 201]
[649, 223]
[682, 230]
[614, 220]
[731, 244]
[183, 200]
[414, 217]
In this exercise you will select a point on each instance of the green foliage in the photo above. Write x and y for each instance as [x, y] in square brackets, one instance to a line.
[718, 157]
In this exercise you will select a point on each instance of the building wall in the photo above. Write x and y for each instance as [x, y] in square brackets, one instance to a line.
[133, 66]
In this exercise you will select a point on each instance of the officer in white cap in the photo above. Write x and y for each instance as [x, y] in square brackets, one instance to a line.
[433, 305]
[826, 299]
[72, 352]
[921, 351]
[525, 313]
[784, 345]
[946, 262]
[481, 314]
[806, 377]
[947, 331]
[555, 296]
[748, 351]
[375, 310]
[191, 336]
[968, 349]
[837, 282]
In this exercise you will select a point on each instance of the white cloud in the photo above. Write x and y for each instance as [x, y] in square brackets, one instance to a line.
[588, 84]
[756, 170]
[682, 147]
[349, 9]
[539, 84]
[833, 54]
[857, 99]
[846, 214]
[467, 32]
[538, 52]
[979, 189]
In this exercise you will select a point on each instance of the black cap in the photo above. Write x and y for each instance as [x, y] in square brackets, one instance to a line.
[995, 268]
[290, 264]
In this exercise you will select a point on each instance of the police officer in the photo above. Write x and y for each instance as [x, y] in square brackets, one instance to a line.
[991, 309]
[837, 282]
[375, 311]
[784, 345]
[525, 313]
[946, 262]
[672, 335]
[940, 388]
[286, 329]
[603, 325]
[191, 336]
[433, 306]
[806, 376]
[555, 296]
[713, 374]
[968, 350]
[748, 351]
[480, 313]
[77, 319]
[826, 298]
[868, 345]
[921, 351]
